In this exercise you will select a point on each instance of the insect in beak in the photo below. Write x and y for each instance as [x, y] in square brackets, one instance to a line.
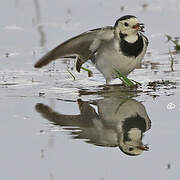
[143, 147]
[139, 27]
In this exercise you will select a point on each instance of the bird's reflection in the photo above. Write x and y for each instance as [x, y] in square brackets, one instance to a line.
[118, 122]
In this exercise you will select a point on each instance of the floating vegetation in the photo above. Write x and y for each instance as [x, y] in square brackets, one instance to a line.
[144, 6]
[175, 41]
[71, 74]
[7, 54]
[171, 60]
[162, 83]
[41, 94]
[122, 8]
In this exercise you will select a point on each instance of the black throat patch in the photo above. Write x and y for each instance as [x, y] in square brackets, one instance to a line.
[131, 49]
[133, 122]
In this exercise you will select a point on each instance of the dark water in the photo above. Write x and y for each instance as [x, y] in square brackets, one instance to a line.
[53, 127]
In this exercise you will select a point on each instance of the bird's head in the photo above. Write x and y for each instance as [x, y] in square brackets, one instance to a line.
[133, 149]
[128, 25]
[130, 143]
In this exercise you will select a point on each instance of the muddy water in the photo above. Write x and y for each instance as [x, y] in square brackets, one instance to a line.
[54, 127]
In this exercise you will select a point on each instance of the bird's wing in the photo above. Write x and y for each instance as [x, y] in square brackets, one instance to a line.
[82, 46]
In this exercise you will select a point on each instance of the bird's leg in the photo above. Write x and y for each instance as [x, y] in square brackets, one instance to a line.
[126, 81]
[90, 73]
[108, 80]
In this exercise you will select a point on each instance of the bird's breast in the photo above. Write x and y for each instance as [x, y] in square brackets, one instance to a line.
[110, 61]
[131, 49]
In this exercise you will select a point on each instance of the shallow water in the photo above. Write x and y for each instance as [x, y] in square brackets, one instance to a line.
[53, 127]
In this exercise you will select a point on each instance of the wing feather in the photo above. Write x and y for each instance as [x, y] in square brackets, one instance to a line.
[77, 46]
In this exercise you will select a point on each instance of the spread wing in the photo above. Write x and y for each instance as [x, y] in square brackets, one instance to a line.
[82, 46]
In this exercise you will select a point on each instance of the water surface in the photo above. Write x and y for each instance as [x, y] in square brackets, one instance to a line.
[53, 127]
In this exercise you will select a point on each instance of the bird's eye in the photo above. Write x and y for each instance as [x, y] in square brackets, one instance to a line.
[126, 24]
[130, 149]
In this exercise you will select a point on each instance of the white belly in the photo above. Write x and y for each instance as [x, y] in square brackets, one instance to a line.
[108, 62]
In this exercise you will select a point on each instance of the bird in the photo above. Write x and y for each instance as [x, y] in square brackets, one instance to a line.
[118, 122]
[114, 50]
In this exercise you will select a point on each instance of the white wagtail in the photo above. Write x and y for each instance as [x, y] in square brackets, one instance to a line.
[114, 50]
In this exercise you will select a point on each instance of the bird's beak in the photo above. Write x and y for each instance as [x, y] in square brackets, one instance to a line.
[139, 27]
[143, 147]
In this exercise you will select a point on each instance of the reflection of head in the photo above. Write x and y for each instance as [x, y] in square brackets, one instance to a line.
[130, 140]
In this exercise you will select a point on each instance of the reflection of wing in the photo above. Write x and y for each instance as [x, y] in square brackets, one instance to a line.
[88, 124]
[81, 120]
[83, 46]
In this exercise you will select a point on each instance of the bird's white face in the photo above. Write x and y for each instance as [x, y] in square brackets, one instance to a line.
[131, 150]
[129, 26]
[134, 145]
